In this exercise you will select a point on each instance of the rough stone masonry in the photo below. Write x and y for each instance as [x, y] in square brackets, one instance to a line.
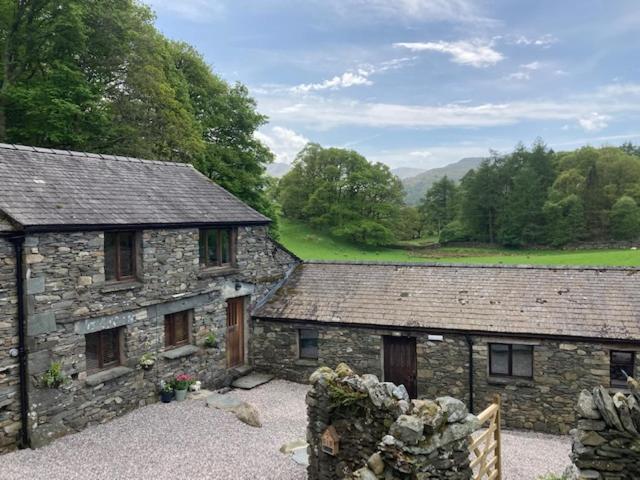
[606, 442]
[381, 434]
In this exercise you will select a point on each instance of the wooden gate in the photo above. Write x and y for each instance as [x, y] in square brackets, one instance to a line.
[400, 363]
[486, 461]
[235, 332]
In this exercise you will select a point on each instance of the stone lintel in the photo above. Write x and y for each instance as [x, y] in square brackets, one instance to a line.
[162, 309]
[91, 325]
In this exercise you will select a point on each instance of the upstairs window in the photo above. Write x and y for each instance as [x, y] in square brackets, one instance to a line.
[508, 360]
[308, 343]
[119, 256]
[103, 349]
[621, 365]
[217, 247]
[176, 329]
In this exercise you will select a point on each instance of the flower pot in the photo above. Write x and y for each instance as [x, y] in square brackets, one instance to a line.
[166, 397]
[181, 395]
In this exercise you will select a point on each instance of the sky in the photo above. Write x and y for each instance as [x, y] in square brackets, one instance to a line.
[423, 83]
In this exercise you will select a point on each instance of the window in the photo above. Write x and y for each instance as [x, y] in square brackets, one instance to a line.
[103, 349]
[308, 341]
[622, 364]
[177, 328]
[217, 247]
[119, 256]
[511, 360]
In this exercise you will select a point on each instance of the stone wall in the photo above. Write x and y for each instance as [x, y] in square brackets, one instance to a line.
[9, 399]
[67, 297]
[383, 434]
[561, 369]
[606, 442]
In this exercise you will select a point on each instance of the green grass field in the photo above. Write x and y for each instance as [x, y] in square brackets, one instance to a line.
[312, 245]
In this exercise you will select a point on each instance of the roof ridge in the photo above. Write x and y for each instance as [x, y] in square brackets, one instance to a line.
[475, 266]
[73, 153]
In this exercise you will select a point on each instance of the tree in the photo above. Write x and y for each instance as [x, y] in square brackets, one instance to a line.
[438, 205]
[340, 191]
[96, 75]
[410, 223]
[625, 219]
[565, 220]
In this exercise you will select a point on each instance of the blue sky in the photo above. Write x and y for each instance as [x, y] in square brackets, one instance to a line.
[424, 82]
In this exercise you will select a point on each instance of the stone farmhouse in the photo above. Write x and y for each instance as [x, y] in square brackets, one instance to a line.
[104, 259]
[535, 335]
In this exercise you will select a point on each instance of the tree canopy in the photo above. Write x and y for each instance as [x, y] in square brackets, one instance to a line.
[340, 191]
[96, 75]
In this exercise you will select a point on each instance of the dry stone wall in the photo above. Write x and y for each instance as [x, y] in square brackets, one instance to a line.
[9, 400]
[606, 442]
[381, 433]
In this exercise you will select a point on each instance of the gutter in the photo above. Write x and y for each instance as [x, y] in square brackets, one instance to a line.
[18, 244]
[469, 340]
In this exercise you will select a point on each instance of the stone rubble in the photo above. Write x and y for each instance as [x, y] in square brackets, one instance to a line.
[382, 433]
[606, 442]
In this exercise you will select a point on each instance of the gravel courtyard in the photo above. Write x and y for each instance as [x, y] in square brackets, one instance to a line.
[189, 440]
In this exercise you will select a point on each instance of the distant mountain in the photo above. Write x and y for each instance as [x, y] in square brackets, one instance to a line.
[278, 169]
[406, 172]
[416, 187]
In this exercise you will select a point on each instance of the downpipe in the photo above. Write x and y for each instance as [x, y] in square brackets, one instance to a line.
[469, 340]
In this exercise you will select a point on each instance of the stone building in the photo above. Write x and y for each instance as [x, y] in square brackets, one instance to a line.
[536, 335]
[104, 259]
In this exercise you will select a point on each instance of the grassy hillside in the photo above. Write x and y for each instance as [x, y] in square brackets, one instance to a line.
[418, 185]
[311, 245]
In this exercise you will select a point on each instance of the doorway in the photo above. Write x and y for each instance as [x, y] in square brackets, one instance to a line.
[235, 332]
[400, 363]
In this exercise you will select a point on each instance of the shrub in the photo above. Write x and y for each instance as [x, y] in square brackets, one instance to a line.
[53, 377]
[211, 341]
[625, 219]
[453, 232]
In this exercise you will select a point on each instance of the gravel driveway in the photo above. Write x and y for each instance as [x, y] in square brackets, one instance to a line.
[189, 440]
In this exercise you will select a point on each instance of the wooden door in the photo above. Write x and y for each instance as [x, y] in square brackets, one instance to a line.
[400, 364]
[235, 332]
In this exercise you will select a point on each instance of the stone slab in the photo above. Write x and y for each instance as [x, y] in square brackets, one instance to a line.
[252, 380]
[223, 402]
[91, 325]
[107, 375]
[35, 285]
[39, 323]
[300, 456]
[180, 352]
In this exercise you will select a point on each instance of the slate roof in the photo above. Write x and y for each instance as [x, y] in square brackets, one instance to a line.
[574, 302]
[41, 187]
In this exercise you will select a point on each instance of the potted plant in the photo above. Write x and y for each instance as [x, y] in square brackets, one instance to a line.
[166, 392]
[147, 361]
[181, 384]
[211, 341]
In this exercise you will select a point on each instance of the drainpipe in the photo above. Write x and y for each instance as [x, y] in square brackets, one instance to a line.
[25, 441]
[469, 340]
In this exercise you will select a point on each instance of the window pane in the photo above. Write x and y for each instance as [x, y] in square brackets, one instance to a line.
[181, 328]
[225, 247]
[126, 254]
[499, 359]
[110, 347]
[212, 244]
[110, 256]
[308, 343]
[621, 363]
[203, 243]
[92, 340]
[522, 360]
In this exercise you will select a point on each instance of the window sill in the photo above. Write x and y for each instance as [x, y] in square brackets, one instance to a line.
[209, 272]
[107, 375]
[111, 287]
[518, 382]
[180, 352]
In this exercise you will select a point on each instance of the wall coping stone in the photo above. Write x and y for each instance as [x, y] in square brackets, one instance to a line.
[180, 352]
[107, 375]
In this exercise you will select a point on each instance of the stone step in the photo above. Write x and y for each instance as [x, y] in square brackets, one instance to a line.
[252, 380]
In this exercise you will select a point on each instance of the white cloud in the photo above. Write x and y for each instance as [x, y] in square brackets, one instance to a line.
[520, 76]
[594, 122]
[544, 41]
[346, 80]
[459, 11]
[283, 142]
[476, 53]
[324, 113]
[194, 10]
[532, 66]
[421, 153]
